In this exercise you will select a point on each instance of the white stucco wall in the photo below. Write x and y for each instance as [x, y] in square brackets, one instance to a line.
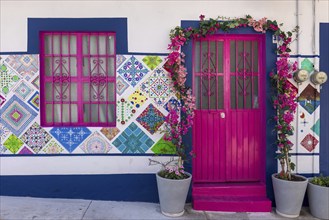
[149, 23]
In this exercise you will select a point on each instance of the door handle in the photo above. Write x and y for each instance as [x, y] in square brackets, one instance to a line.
[222, 115]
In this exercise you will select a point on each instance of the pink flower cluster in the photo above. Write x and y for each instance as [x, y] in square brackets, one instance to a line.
[259, 25]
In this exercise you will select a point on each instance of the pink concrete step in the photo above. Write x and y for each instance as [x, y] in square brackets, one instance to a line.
[231, 197]
[247, 189]
[232, 204]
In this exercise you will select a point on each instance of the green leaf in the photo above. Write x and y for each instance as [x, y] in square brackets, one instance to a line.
[292, 166]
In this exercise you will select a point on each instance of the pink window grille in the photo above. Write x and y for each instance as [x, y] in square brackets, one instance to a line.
[77, 75]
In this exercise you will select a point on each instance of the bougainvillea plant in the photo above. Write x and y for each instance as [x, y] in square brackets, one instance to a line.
[180, 118]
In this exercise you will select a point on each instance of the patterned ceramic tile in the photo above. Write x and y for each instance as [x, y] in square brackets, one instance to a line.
[2, 149]
[2, 100]
[309, 99]
[110, 133]
[25, 150]
[119, 60]
[36, 137]
[8, 79]
[13, 143]
[164, 147]
[27, 65]
[36, 82]
[125, 111]
[16, 115]
[316, 127]
[70, 138]
[34, 101]
[309, 142]
[151, 119]
[307, 65]
[133, 140]
[137, 99]
[22, 90]
[53, 148]
[95, 144]
[152, 61]
[4, 132]
[172, 103]
[158, 86]
[121, 85]
[133, 71]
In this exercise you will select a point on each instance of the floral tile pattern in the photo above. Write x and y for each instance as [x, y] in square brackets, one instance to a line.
[172, 103]
[137, 99]
[158, 86]
[2, 100]
[70, 138]
[36, 137]
[121, 85]
[16, 115]
[164, 147]
[316, 127]
[151, 119]
[95, 144]
[120, 59]
[133, 71]
[25, 150]
[307, 65]
[34, 101]
[13, 143]
[26, 65]
[309, 142]
[8, 79]
[152, 61]
[133, 140]
[125, 111]
[36, 82]
[4, 132]
[53, 148]
[22, 90]
[110, 133]
[309, 99]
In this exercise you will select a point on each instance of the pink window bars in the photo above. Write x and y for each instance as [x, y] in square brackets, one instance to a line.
[77, 75]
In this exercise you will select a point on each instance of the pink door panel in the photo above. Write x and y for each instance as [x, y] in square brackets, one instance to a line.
[227, 133]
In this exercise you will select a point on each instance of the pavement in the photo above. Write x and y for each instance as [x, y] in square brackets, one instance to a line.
[20, 208]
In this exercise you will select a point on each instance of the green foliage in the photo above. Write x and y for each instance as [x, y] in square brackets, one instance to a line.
[321, 181]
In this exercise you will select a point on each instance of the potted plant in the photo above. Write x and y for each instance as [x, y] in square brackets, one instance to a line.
[318, 196]
[172, 180]
[289, 189]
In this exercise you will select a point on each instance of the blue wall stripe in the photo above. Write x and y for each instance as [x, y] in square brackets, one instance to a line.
[324, 99]
[117, 25]
[124, 187]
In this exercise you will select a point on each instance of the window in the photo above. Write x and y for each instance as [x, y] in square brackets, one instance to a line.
[77, 75]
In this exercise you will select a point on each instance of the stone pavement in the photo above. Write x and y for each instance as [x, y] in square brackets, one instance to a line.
[20, 208]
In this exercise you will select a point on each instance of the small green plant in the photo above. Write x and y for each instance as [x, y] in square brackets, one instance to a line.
[321, 181]
[173, 172]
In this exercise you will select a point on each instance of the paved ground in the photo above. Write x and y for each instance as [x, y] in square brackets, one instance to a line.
[20, 208]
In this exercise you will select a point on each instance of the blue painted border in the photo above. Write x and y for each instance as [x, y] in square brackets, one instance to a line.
[324, 99]
[271, 58]
[117, 25]
[119, 187]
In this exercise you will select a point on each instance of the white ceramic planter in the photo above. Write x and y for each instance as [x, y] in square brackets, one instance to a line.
[318, 199]
[289, 196]
[172, 195]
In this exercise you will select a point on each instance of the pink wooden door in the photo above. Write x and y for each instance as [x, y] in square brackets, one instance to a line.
[229, 125]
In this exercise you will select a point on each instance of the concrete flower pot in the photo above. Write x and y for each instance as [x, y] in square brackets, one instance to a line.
[172, 195]
[318, 199]
[289, 196]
